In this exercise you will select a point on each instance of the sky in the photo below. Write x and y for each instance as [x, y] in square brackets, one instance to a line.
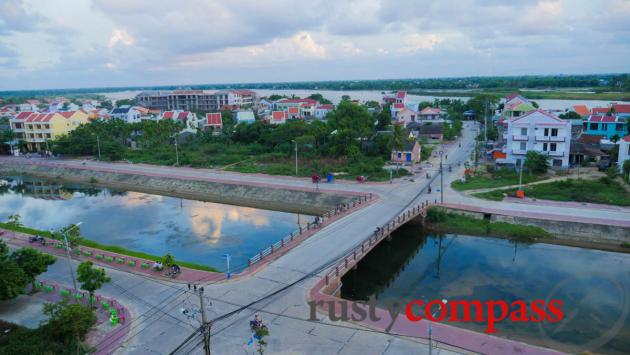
[101, 43]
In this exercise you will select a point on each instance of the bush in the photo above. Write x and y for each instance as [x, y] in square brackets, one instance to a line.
[436, 215]
[100, 256]
[109, 259]
[144, 265]
[131, 263]
[87, 253]
[120, 260]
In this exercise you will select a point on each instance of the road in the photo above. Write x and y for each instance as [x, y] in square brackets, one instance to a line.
[159, 325]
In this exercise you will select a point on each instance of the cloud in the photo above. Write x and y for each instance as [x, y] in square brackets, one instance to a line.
[120, 37]
[421, 43]
[14, 17]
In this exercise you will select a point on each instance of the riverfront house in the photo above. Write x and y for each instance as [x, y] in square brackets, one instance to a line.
[537, 131]
[213, 122]
[408, 154]
[278, 117]
[607, 126]
[36, 129]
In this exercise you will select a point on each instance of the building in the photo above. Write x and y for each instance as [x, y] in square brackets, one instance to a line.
[36, 129]
[406, 116]
[278, 117]
[469, 115]
[408, 154]
[322, 111]
[608, 126]
[401, 97]
[245, 117]
[126, 113]
[429, 114]
[581, 110]
[284, 104]
[537, 131]
[515, 106]
[201, 100]
[624, 152]
[293, 113]
[213, 122]
[428, 130]
[189, 119]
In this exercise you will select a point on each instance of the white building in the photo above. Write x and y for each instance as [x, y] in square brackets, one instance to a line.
[322, 111]
[539, 131]
[126, 113]
[624, 151]
[245, 117]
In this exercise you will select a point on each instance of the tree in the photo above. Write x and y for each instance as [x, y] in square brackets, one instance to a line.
[319, 98]
[276, 97]
[12, 277]
[536, 163]
[65, 106]
[384, 118]
[345, 97]
[32, 262]
[615, 138]
[625, 169]
[168, 260]
[15, 220]
[570, 115]
[91, 278]
[73, 233]
[124, 102]
[68, 323]
[424, 104]
[535, 104]
[106, 104]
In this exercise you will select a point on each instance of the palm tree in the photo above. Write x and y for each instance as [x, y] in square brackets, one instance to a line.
[397, 139]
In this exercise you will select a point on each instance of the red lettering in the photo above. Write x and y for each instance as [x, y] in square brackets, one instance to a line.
[409, 310]
[538, 310]
[503, 307]
[519, 315]
[466, 306]
[556, 311]
[441, 310]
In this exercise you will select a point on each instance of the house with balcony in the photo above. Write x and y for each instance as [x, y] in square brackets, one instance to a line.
[126, 113]
[322, 111]
[36, 129]
[538, 131]
[429, 114]
[607, 126]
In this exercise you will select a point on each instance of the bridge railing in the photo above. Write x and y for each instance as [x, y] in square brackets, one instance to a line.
[301, 231]
[353, 257]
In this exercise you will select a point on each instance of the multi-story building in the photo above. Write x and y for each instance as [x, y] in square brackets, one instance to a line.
[126, 113]
[516, 105]
[36, 129]
[196, 100]
[608, 126]
[537, 131]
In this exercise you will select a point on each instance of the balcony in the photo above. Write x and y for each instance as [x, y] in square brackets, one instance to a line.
[550, 139]
[555, 153]
[519, 151]
[517, 137]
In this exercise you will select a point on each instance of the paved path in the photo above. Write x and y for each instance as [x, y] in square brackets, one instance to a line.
[155, 305]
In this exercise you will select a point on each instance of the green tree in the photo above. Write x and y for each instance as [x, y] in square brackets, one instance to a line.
[12, 278]
[124, 102]
[168, 260]
[479, 102]
[106, 104]
[615, 138]
[91, 278]
[319, 98]
[32, 262]
[535, 104]
[65, 106]
[384, 118]
[345, 97]
[625, 168]
[276, 97]
[570, 115]
[536, 163]
[68, 323]
[15, 220]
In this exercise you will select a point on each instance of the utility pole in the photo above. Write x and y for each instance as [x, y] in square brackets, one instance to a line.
[520, 176]
[206, 324]
[98, 146]
[441, 179]
[296, 159]
[65, 239]
[485, 122]
[176, 153]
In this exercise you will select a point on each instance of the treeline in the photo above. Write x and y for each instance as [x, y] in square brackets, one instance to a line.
[603, 81]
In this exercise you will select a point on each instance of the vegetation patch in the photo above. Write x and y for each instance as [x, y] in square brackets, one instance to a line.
[111, 248]
[449, 222]
[490, 177]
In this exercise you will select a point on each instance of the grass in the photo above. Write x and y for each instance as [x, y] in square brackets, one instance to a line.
[498, 178]
[110, 248]
[443, 221]
[603, 190]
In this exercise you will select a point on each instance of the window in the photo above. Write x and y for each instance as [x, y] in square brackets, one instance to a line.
[544, 147]
[523, 146]
[523, 131]
[516, 114]
[546, 132]
[554, 132]
[552, 147]
[619, 127]
[604, 126]
[593, 127]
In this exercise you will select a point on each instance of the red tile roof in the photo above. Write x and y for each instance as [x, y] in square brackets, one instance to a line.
[602, 119]
[23, 115]
[581, 110]
[67, 114]
[541, 111]
[296, 101]
[214, 119]
[599, 110]
[399, 106]
[293, 110]
[511, 96]
[168, 115]
[590, 138]
[183, 115]
[325, 107]
[430, 111]
[278, 116]
[621, 108]
[401, 94]
[626, 138]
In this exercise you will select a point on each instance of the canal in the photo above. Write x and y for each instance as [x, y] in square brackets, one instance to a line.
[594, 285]
[193, 231]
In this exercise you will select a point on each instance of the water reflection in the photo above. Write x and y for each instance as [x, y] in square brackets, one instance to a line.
[594, 285]
[193, 231]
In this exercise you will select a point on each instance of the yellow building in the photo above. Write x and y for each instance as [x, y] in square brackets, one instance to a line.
[36, 129]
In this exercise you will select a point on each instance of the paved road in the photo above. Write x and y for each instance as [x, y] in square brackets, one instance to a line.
[160, 326]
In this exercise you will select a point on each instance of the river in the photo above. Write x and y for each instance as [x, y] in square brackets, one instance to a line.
[193, 231]
[594, 285]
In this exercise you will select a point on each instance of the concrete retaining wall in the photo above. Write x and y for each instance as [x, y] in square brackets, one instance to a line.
[562, 230]
[297, 201]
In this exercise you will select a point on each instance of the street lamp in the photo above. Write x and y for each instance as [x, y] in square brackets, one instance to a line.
[441, 178]
[296, 157]
[228, 257]
[65, 238]
[444, 302]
